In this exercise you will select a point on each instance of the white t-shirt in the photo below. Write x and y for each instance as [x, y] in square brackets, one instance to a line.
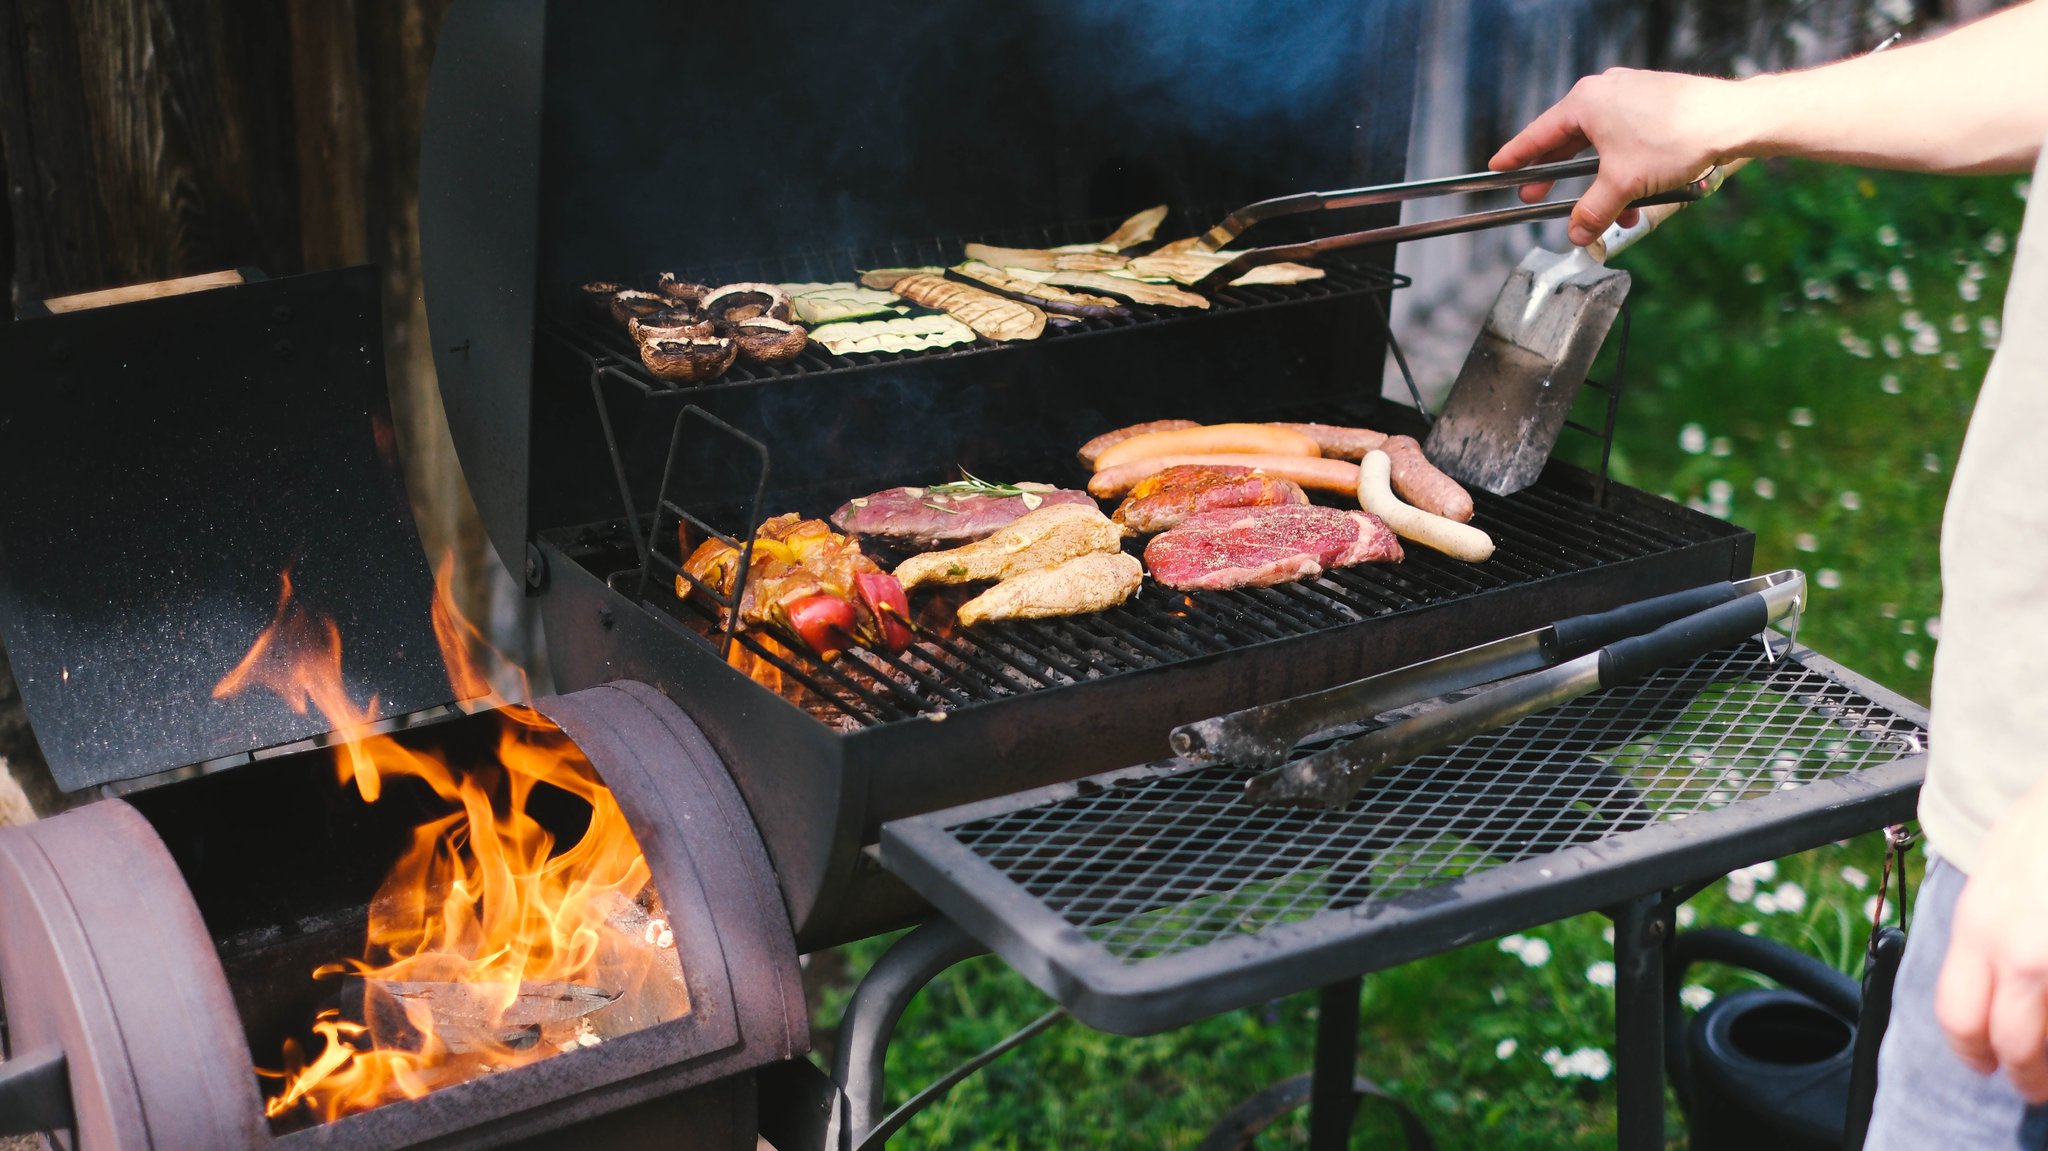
[1990, 727]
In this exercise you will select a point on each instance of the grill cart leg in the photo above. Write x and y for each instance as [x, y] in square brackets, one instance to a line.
[1332, 1103]
[859, 1065]
[1332, 1090]
[1640, 928]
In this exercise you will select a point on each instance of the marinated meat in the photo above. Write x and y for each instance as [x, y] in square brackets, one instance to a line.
[1083, 584]
[796, 562]
[1051, 535]
[1164, 499]
[984, 311]
[1259, 547]
[923, 518]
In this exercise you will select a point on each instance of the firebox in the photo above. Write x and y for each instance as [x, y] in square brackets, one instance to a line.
[347, 898]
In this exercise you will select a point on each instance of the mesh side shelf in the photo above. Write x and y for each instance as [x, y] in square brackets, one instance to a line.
[1148, 898]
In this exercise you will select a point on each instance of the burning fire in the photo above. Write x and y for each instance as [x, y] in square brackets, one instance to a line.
[490, 945]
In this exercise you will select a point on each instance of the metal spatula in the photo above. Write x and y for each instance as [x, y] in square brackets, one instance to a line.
[1516, 387]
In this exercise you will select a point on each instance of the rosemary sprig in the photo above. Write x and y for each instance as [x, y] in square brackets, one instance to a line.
[972, 485]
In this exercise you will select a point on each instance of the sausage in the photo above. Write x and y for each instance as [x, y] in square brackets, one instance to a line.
[1339, 443]
[1210, 439]
[1107, 440]
[1418, 481]
[1308, 471]
[1376, 495]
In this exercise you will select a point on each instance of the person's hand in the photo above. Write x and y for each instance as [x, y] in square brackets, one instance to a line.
[1654, 131]
[1992, 998]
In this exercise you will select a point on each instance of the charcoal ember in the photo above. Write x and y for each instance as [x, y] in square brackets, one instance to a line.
[691, 360]
[768, 340]
[734, 303]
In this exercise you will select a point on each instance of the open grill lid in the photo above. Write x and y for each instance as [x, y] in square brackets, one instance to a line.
[571, 142]
[165, 462]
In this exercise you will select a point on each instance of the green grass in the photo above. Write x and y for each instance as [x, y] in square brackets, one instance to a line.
[1762, 388]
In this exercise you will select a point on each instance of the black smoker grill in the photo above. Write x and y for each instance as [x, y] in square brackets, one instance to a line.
[571, 143]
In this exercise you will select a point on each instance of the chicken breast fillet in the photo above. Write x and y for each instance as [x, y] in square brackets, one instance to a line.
[1051, 535]
[1083, 584]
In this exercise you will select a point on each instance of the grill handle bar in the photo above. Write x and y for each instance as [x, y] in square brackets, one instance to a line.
[1423, 229]
[1262, 736]
[1331, 778]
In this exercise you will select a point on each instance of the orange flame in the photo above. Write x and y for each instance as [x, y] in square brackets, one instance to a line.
[490, 944]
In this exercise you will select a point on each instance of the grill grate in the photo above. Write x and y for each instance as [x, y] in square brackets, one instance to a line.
[1345, 278]
[1539, 533]
[1170, 864]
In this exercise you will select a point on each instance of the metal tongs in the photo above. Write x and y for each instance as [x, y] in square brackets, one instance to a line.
[1555, 664]
[1238, 222]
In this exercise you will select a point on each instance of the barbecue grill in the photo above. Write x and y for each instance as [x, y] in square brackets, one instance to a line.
[782, 800]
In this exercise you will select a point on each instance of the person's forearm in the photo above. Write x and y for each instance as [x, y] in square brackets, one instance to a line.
[1974, 100]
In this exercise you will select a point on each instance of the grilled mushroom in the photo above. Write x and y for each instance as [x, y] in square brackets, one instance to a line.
[681, 291]
[598, 293]
[688, 361]
[671, 324]
[631, 304]
[768, 340]
[736, 302]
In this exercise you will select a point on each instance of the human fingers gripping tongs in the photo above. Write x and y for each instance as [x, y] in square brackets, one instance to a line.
[1562, 662]
[1242, 220]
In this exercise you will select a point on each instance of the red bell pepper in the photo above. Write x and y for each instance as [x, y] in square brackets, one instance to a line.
[825, 623]
[891, 608]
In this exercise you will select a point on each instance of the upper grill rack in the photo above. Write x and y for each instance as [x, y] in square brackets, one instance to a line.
[1539, 532]
[1344, 278]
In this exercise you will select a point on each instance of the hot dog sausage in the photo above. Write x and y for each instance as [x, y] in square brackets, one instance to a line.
[1308, 471]
[1340, 443]
[1454, 539]
[1107, 440]
[1210, 439]
[1418, 481]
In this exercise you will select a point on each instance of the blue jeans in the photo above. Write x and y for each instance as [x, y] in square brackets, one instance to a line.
[1926, 1097]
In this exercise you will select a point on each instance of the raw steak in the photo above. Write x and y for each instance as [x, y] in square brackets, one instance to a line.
[917, 518]
[1164, 499]
[1258, 547]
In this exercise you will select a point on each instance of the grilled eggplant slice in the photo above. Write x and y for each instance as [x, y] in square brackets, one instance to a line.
[884, 279]
[1045, 259]
[984, 311]
[689, 361]
[736, 302]
[1136, 291]
[768, 340]
[1136, 230]
[1047, 296]
[1190, 267]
